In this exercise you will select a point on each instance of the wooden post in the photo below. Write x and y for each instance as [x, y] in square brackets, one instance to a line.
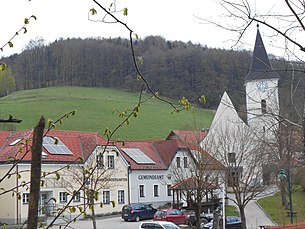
[32, 221]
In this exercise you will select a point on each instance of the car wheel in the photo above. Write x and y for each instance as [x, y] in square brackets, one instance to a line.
[137, 219]
[203, 222]
[126, 220]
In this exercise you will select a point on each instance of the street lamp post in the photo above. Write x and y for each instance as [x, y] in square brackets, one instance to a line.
[287, 174]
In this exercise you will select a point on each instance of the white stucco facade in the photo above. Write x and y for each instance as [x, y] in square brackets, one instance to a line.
[262, 104]
[150, 186]
[57, 191]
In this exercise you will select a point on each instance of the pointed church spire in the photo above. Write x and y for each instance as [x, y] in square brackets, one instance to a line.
[260, 66]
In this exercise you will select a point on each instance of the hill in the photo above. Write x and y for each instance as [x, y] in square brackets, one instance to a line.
[173, 68]
[95, 112]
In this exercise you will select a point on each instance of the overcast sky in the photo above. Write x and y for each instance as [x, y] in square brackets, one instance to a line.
[171, 19]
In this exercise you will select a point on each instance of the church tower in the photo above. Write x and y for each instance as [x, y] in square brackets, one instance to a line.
[261, 90]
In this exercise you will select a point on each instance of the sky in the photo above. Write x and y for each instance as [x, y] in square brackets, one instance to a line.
[171, 19]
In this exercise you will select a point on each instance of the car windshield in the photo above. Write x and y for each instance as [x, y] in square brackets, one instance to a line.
[161, 213]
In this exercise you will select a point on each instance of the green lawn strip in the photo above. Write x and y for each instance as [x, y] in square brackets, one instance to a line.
[95, 112]
[272, 205]
[231, 210]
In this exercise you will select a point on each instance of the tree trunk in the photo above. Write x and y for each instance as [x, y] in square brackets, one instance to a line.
[93, 217]
[216, 219]
[303, 130]
[243, 217]
[283, 194]
[32, 221]
[197, 215]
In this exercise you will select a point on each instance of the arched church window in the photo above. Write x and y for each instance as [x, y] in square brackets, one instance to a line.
[263, 106]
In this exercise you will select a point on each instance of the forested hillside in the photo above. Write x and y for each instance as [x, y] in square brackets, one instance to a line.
[173, 68]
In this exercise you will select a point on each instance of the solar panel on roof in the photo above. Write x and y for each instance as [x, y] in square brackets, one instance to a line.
[138, 156]
[59, 148]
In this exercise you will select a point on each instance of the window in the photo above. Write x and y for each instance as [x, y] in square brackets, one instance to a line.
[169, 191]
[178, 162]
[235, 173]
[76, 197]
[152, 225]
[99, 160]
[15, 142]
[175, 212]
[185, 162]
[206, 179]
[106, 197]
[141, 189]
[121, 196]
[25, 198]
[110, 160]
[264, 106]
[156, 190]
[63, 197]
[231, 158]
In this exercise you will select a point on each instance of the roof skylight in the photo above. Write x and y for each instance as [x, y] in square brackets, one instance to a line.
[138, 156]
[15, 142]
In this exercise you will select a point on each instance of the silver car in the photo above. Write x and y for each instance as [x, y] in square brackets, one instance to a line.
[158, 225]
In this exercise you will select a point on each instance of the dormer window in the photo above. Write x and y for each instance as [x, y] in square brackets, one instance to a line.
[264, 106]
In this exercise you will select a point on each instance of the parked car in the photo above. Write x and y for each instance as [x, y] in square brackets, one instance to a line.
[204, 218]
[171, 215]
[232, 222]
[158, 225]
[137, 212]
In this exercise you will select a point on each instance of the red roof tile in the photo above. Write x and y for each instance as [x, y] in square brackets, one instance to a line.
[81, 144]
[193, 137]
[167, 150]
[147, 148]
[192, 183]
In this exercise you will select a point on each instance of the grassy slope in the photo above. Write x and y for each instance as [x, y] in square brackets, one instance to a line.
[231, 210]
[273, 207]
[94, 111]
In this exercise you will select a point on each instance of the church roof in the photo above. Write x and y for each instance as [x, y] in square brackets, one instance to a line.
[260, 66]
[226, 115]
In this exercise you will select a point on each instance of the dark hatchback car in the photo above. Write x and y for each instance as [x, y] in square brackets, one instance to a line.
[137, 212]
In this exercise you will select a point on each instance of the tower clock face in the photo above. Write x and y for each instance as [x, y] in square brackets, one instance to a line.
[262, 86]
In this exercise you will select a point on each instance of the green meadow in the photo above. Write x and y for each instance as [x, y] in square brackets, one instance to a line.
[273, 206]
[94, 112]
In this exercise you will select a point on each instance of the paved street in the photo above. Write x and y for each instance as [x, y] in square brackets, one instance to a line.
[255, 216]
[114, 222]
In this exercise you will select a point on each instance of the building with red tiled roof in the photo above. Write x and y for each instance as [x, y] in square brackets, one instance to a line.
[154, 167]
[132, 171]
[81, 144]
[193, 137]
[73, 153]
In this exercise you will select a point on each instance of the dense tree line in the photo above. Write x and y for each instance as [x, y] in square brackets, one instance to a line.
[173, 68]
